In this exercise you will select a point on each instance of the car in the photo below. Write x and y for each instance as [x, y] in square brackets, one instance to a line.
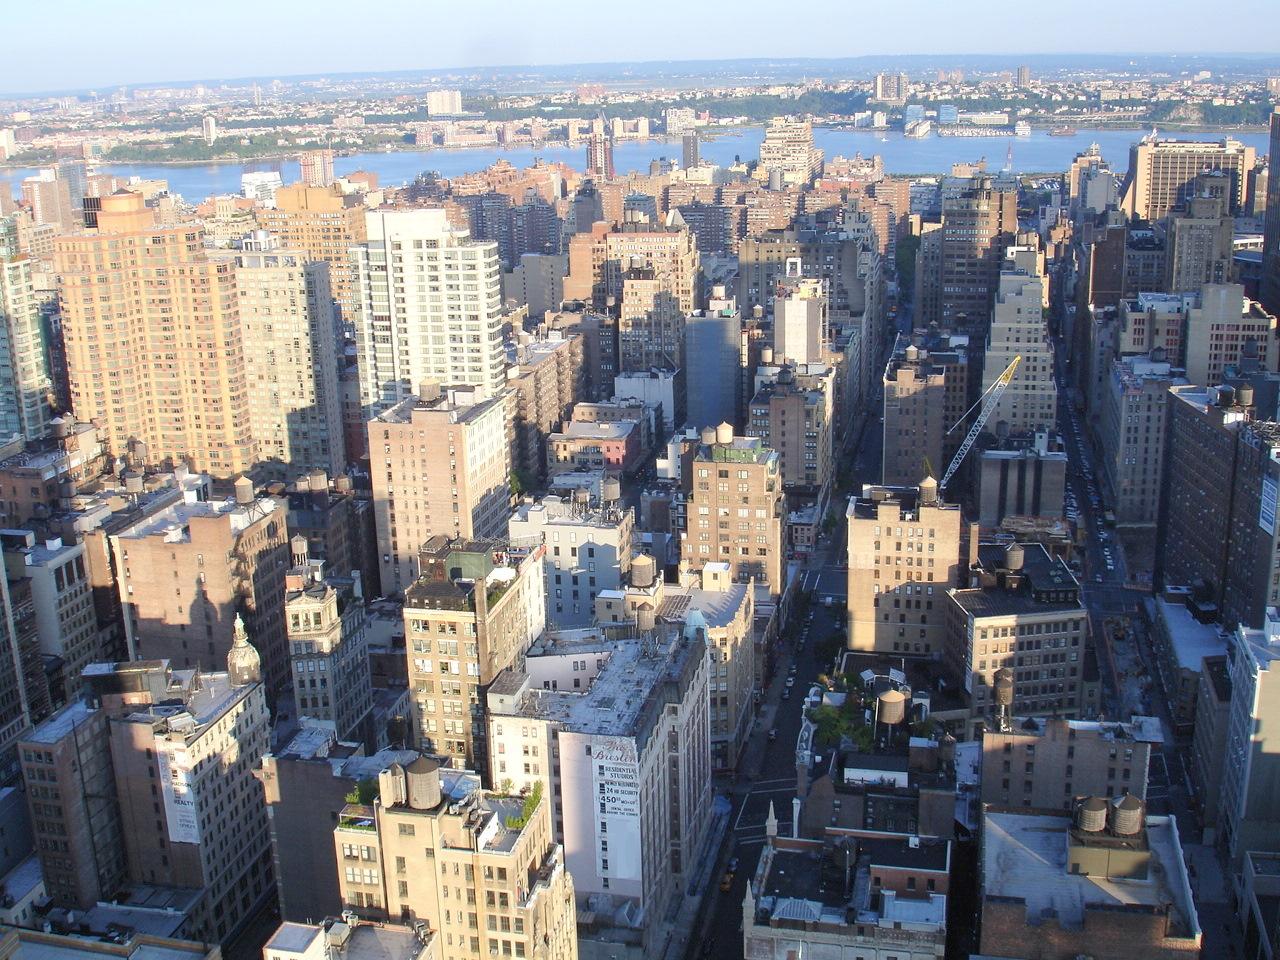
[1097, 578]
[791, 681]
[786, 693]
[773, 734]
[733, 865]
[726, 882]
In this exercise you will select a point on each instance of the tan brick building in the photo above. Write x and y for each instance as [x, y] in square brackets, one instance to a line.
[440, 465]
[471, 614]
[154, 346]
[495, 882]
[906, 549]
[734, 508]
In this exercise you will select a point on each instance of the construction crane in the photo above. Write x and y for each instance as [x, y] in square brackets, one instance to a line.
[990, 397]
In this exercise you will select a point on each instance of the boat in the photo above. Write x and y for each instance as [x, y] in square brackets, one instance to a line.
[1063, 131]
[1022, 129]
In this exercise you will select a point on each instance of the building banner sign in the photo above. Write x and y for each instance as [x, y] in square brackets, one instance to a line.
[176, 780]
[1267, 511]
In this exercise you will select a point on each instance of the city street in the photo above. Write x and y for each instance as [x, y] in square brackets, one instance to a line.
[767, 771]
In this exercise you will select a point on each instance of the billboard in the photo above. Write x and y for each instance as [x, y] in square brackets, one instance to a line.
[177, 779]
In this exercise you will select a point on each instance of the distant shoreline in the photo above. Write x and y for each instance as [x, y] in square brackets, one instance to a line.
[707, 134]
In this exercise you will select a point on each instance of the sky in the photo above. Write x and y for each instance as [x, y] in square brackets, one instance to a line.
[75, 44]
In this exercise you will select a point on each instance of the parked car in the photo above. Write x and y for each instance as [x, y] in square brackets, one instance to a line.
[726, 882]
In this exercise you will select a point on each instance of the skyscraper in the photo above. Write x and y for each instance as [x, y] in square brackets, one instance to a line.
[600, 156]
[430, 308]
[286, 309]
[788, 149]
[1271, 232]
[1018, 329]
[976, 227]
[317, 168]
[154, 343]
[25, 383]
[690, 150]
[1162, 174]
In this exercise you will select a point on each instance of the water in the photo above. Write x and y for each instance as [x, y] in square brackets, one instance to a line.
[1036, 153]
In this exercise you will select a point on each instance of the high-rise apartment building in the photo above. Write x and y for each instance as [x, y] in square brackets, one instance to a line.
[48, 197]
[1019, 329]
[588, 546]
[1271, 226]
[472, 613]
[800, 309]
[600, 156]
[653, 271]
[891, 87]
[444, 103]
[317, 168]
[1162, 174]
[291, 360]
[25, 382]
[734, 508]
[324, 223]
[154, 343]
[548, 378]
[613, 730]
[714, 336]
[1132, 434]
[977, 226]
[497, 883]
[440, 466]
[788, 153]
[1222, 329]
[186, 571]
[906, 549]
[430, 308]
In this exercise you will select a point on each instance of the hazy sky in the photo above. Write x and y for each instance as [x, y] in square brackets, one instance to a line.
[68, 44]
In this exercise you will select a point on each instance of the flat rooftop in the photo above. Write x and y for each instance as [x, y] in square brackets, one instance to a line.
[173, 523]
[60, 724]
[615, 702]
[1190, 640]
[1024, 857]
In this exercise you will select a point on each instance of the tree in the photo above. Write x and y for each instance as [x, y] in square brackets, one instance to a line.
[364, 792]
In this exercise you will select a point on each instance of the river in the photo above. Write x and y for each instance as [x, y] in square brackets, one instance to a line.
[1036, 153]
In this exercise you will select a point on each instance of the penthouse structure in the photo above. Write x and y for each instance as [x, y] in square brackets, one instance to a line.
[612, 728]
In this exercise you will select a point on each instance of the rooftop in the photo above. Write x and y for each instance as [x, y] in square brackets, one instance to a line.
[596, 430]
[1190, 640]
[1024, 857]
[364, 941]
[460, 405]
[60, 724]
[632, 681]
[173, 523]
